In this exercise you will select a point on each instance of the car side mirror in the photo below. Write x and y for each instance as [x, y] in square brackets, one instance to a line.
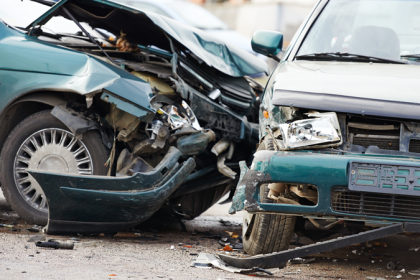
[268, 43]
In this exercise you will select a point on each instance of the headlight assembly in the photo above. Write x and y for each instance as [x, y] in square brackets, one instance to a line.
[321, 128]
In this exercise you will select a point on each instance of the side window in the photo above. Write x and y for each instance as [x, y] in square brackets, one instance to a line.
[146, 7]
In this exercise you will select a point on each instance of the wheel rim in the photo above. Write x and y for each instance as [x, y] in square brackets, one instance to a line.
[50, 150]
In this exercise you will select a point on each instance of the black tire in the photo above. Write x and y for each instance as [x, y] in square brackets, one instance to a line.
[32, 124]
[267, 233]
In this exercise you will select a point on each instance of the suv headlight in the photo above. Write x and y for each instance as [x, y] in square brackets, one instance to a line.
[322, 128]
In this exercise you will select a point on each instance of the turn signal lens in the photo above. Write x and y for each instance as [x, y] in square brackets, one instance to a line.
[266, 115]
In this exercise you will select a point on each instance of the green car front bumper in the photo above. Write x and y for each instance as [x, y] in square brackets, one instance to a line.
[328, 172]
[102, 204]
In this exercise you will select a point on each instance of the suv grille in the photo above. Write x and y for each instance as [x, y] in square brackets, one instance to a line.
[375, 204]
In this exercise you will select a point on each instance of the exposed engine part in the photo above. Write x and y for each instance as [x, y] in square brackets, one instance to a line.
[161, 137]
[191, 116]
[279, 145]
[159, 86]
[231, 150]
[223, 168]
[215, 94]
[125, 46]
[145, 148]
[128, 164]
[229, 127]
[176, 120]
[156, 126]
[285, 200]
[304, 191]
[185, 130]
[195, 143]
[276, 189]
[124, 122]
[220, 146]
[282, 199]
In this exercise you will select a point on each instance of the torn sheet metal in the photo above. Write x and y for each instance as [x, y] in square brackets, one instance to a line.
[244, 194]
[205, 260]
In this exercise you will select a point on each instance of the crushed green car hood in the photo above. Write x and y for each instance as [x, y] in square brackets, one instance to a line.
[145, 28]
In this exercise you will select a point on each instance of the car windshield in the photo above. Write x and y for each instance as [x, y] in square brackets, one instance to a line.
[387, 29]
[196, 16]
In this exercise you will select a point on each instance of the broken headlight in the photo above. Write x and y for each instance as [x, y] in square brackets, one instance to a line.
[321, 128]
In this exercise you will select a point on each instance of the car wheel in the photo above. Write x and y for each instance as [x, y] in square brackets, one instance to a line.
[43, 143]
[266, 233]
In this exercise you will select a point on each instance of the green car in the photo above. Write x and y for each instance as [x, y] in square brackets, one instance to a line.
[339, 126]
[110, 115]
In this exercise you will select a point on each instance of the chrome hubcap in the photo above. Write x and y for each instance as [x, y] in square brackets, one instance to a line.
[51, 150]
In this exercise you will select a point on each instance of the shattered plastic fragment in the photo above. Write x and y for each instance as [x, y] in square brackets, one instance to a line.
[204, 260]
[227, 248]
[7, 226]
[301, 261]
[414, 272]
[32, 229]
[55, 245]
[37, 238]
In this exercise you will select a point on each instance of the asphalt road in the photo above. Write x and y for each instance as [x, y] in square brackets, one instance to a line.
[154, 252]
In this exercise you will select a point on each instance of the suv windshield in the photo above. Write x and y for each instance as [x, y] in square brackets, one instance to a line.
[387, 29]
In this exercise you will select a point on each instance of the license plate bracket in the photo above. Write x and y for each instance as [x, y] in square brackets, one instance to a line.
[384, 178]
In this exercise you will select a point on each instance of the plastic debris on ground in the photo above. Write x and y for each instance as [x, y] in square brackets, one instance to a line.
[6, 226]
[33, 229]
[55, 245]
[226, 248]
[375, 278]
[36, 238]
[205, 260]
[415, 249]
[228, 223]
[301, 260]
[414, 272]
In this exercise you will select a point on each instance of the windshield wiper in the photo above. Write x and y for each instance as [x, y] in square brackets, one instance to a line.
[348, 57]
[411, 55]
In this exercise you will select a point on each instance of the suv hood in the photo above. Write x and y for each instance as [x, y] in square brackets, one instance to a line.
[361, 88]
[145, 28]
